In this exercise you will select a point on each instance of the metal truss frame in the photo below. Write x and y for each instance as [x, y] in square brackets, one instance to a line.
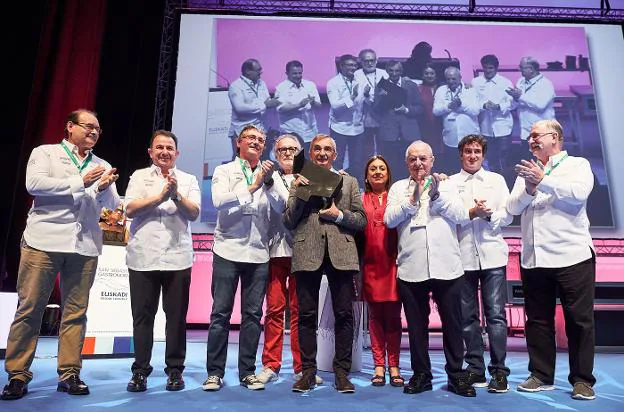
[202, 242]
[471, 10]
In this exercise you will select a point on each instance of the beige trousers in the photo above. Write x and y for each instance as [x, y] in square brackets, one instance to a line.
[35, 282]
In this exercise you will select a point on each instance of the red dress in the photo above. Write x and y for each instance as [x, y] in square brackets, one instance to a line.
[431, 125]
[380, 252]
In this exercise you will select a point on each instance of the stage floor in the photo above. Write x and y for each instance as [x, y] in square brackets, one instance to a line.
[107, 380]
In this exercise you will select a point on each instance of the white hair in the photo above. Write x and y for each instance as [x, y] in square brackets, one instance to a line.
[284, 136]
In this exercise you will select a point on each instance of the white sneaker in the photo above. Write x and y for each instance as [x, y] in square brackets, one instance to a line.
[213, 383]
[251, 382]
[267, 375]
[298, 376]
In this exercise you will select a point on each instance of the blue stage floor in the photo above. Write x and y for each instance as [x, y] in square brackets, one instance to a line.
[107, 380]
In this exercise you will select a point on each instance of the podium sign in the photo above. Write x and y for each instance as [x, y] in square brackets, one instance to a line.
[109, 316]
[8, 305]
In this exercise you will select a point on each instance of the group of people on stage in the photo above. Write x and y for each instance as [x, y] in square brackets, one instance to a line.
[372, 107]
[426, 234]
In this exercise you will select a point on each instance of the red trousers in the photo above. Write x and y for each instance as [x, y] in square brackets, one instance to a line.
[385, 332]
[279, 275]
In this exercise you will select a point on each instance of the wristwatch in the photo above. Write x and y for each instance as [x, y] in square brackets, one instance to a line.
[269, 182]
[177, 198]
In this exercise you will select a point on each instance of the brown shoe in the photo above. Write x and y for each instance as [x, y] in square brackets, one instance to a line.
[343, 384]
[306, 383]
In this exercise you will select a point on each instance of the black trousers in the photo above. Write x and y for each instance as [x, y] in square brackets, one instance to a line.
[576, 286]
[447, 295]
[145, 290]
[342, 293]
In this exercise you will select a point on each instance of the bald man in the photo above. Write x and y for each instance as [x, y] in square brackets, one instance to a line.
[425, 212]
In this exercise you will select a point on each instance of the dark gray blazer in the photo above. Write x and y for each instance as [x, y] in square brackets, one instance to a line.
[311, 232]
[395, 126]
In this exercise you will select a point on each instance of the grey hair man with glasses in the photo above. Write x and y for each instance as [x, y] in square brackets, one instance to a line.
[558, 258]
[244, 193]
[69, 185]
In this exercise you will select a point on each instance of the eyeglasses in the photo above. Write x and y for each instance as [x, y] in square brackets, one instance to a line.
[90, 127]
[253, 138]
[537, 136]
[284, 150]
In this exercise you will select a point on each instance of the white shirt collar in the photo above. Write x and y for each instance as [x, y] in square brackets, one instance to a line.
[156, 170]
[534, 79]
[74, 149]
[493, 79]
[479, 174]
[556, 158]
[292, 85]
[249, 80]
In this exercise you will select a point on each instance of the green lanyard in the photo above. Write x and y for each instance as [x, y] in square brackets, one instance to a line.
[556, 164]
[348, 84]
[248, 176]
[427, 184]
[73, 158]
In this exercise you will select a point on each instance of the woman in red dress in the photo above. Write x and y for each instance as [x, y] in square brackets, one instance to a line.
[379, 275]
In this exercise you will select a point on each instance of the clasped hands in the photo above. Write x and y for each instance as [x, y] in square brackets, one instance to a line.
[100, 173]
[266, 170]
[531, 172]
[480, 210]
[434, 188]
[455, 103]
[170, 190]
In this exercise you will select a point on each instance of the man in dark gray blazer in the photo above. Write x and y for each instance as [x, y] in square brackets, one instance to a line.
[324, 244]
[398, 108]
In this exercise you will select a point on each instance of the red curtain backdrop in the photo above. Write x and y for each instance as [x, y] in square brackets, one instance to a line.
[59, 76]
[67, 66]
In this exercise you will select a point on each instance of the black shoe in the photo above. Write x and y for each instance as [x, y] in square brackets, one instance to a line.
[175, 381]
[343, 384]
[476, 380]
[498, 383]
[418, 383]
[16, 389]
[73, 386]
[306, 383]
[461, 386]
[138, 383]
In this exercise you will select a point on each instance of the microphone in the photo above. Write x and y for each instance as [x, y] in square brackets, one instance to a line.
[222, 77]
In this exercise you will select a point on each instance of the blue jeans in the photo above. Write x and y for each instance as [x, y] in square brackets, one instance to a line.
[494, 297]
[225, 276]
